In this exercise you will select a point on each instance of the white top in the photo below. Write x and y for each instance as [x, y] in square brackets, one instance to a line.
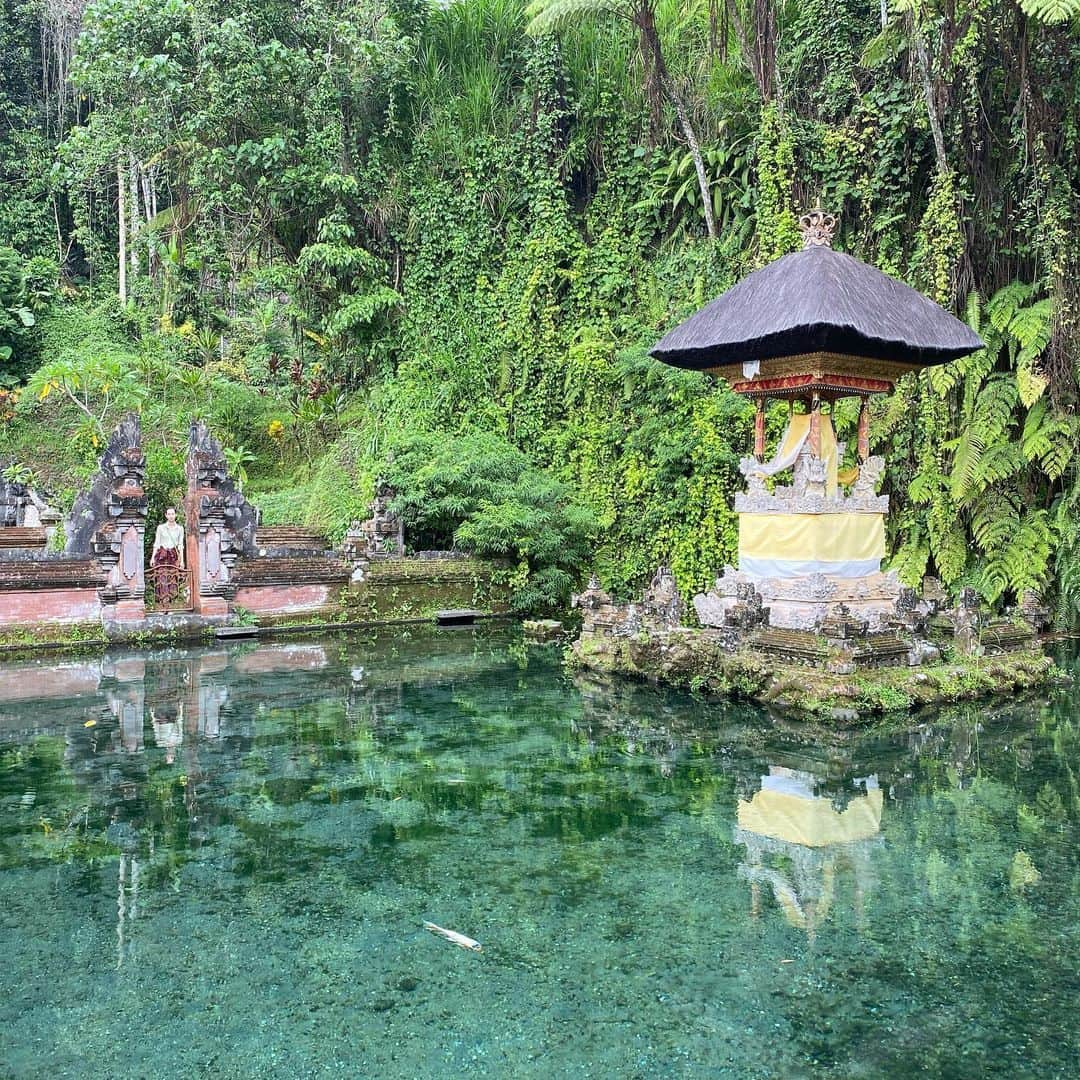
[168, 537]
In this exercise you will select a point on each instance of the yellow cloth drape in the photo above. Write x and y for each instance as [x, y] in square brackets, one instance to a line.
[818, 537]
[794, 435]
[811, 822]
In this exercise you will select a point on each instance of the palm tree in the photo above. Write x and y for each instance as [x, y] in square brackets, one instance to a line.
[548, 15]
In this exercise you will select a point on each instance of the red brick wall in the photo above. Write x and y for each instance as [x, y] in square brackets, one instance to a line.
[22, 608]
[282, 599]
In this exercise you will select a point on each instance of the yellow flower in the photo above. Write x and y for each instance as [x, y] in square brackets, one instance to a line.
[275, 429]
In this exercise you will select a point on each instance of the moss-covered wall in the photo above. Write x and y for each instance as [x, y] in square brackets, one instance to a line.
[417, 588]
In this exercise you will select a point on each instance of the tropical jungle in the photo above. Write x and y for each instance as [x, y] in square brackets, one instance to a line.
[430, 244]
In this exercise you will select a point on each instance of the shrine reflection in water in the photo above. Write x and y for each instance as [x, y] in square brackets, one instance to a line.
[220, 860]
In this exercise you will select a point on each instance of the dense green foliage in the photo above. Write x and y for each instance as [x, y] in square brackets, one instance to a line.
[347, 228]
[481, 494]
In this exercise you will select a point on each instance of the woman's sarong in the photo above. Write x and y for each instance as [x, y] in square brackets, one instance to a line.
[167, 577]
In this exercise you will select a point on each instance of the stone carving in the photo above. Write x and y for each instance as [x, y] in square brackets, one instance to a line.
[1033, 611]
[220, 523]
[800, 603]
[659, 610]
[596, 605]
[806, 493]
[933, 592]
[712, 607]
[748, 612]
[783, 501]
[21, 507]
[866, 483]
[108, 522]
[967, 623]
[755, 478]
[922, 652]
[662, 605]
[910, 613]
[839, 625]
[734, 601]
[809, 475]
[117, 488]
[817, 228]
[810, 587]
[381, 536]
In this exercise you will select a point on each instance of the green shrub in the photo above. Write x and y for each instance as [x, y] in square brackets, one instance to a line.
[287, 507]
[340, 491]
[480, 494]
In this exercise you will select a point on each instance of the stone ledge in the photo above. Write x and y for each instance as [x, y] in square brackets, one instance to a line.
[395, 570]
[291, 570]
[700, 660]
[45, 574]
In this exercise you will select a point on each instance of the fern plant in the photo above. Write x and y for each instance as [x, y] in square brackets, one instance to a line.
[1051, 11]
[985, 492]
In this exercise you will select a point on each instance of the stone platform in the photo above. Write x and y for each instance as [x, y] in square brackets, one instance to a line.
[801, 603]
[915, 655]
[702, 660]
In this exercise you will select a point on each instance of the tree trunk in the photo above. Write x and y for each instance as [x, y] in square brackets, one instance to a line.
[765, 37]
[651, 39]
[695, 152]
[923, 64]
[122, 249]
[133, 214]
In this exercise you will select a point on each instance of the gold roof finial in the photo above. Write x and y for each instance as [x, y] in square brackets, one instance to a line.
[817, 228]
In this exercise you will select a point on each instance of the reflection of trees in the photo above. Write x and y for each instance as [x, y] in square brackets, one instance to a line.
[325, 769]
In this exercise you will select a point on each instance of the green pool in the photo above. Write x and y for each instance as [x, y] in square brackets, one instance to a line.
[219, 862]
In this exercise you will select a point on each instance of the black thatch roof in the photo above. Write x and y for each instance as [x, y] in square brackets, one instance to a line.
[817, 300]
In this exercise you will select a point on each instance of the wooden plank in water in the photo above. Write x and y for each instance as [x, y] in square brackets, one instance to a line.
[236, 631]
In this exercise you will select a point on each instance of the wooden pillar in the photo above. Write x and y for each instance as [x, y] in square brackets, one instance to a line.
[864, 429]
[815, 425]
[759, 429]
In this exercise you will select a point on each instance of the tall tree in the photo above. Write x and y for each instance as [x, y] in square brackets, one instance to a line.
[548, 15]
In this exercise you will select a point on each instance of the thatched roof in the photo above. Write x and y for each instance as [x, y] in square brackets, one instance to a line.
[818, 300]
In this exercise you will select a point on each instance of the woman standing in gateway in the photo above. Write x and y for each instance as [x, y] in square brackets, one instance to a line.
[168, 552]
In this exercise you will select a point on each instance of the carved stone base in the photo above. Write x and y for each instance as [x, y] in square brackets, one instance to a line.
[803, 603]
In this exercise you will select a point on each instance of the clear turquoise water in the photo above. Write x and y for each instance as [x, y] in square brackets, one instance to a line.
[218, 862]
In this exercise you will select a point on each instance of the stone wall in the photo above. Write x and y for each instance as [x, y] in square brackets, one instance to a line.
[292, 576]
[49, 591]
[413, 588]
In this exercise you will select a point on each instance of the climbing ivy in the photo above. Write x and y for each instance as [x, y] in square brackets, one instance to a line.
[349, 225]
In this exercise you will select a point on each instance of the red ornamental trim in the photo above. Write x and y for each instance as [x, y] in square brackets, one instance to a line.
[787, 384]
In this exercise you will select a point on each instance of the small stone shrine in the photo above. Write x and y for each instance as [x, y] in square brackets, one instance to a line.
[810, 329]
[382, 535]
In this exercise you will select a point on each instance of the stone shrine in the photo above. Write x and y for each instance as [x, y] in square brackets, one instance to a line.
[810, 329]
[808, 620]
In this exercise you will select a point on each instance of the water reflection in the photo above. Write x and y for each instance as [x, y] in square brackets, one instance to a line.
[658, 880]
[798, 835]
